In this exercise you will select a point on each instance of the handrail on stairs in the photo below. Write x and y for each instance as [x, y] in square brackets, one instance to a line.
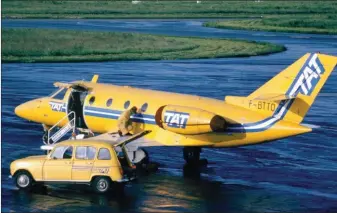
[71, 125]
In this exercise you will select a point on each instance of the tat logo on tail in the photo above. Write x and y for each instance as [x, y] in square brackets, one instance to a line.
[308, 77]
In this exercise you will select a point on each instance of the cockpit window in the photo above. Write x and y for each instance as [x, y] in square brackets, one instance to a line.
[54, 92]
[59, 94]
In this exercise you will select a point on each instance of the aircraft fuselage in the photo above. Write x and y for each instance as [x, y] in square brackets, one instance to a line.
[103, 104]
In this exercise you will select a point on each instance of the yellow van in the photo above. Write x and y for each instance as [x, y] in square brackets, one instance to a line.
[75, 161]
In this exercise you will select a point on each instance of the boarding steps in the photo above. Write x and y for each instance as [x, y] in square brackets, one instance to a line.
[54, 137]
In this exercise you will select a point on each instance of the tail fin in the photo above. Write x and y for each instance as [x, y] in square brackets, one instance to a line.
[95, 78]
[296, 87]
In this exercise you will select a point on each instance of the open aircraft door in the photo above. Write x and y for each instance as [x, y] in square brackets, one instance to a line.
[77, 94]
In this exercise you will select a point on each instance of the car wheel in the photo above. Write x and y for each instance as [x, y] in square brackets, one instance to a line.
[23, 180]
[101, 184]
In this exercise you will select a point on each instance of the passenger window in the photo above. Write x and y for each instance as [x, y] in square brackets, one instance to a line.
[59, 94]
[62, 152]
[85, 152]
[92, 100]
[144, 107]
[109, 102]
[126, 104]
[104, 154]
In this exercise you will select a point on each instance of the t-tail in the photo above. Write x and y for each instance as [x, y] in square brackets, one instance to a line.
[290, 94]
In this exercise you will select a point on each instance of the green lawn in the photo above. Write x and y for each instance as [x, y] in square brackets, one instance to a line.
[319, 24]
[41, 45]
[160, 9]
[285, 16]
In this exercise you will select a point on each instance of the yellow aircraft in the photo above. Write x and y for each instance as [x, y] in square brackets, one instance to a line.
[273, 111]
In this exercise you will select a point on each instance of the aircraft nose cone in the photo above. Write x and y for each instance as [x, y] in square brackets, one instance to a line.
[26, 110]
[20, 110]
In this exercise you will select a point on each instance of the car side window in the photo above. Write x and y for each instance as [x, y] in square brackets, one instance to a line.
[104, 154]
[68, 154]
[85, 152]
[91, 152]
[62, 152]
[81, 152]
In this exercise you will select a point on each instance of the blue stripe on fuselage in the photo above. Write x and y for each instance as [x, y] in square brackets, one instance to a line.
[114, 114]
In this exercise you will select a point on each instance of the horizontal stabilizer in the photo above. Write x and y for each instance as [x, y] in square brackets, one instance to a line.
[274, 97]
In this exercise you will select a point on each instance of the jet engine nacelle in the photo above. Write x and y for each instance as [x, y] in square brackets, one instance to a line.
[189, 120]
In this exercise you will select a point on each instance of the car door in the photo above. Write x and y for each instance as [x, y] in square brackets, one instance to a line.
[59, 165]
[83, 163]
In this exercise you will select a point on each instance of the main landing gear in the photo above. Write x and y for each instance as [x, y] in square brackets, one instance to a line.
[192, 156]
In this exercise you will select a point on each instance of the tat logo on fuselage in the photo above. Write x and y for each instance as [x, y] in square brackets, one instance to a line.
[308, 77]
[176, 119]
[56, 106]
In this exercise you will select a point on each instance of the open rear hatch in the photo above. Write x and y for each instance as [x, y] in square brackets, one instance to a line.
[128, 166]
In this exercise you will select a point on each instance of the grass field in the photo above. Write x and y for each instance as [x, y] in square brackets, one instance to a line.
[161, 9]
[285, 16]
[41, 45]
[319, 24]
